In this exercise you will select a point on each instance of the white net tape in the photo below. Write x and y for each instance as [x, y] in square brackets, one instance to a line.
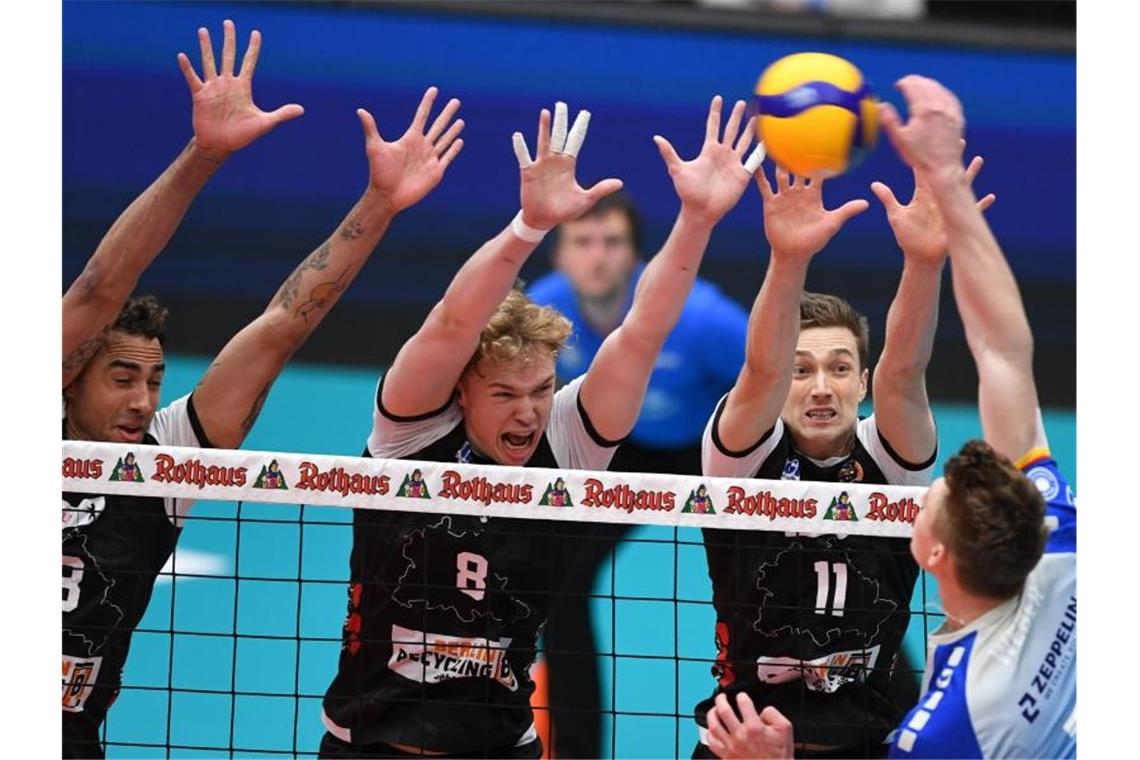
[468, 489]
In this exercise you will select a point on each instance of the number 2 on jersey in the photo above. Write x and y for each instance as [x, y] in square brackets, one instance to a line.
[472, 576]
[823, 572]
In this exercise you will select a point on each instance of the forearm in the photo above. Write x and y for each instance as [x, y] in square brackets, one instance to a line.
[142, 230]
[774, 324]
[230, 395]
[984, 287]
[618, 377]
[666, 283]
[911, 324]
[479, 287]
[317, 283]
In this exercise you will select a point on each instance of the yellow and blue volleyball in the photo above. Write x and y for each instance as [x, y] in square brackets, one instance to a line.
[815, 114]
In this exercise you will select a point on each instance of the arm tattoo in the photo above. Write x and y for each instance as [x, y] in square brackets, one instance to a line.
[318, 259]
[352, 230]
[255, 410]
[83, 353]
[322, 296]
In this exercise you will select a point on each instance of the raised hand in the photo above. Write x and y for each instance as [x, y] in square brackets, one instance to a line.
[918, 226]
[404, 171]
[929, 141]
[795, 221]
[549, 193]
[225, 117]
[711, 184]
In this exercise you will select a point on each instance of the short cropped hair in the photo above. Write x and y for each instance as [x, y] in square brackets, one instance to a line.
[520, 328]
[619, 201]
[822, 310]
[993, 521]
[143, 316]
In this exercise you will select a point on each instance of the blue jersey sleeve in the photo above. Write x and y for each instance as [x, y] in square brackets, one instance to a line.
[1060, 505]
[939, 725]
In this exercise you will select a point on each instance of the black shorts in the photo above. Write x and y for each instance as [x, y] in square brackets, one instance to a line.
[332, 747]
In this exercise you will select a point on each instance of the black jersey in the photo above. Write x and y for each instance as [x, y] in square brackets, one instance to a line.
[812, 624]
[444, 610]
[114, 546]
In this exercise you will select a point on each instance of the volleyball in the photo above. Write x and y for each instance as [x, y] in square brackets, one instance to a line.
[815, 114]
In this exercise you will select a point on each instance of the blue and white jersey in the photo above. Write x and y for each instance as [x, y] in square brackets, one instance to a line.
[1005, 685]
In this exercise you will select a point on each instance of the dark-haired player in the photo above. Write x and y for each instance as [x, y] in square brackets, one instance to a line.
[113, 545]
[813, 624]
[998, 532]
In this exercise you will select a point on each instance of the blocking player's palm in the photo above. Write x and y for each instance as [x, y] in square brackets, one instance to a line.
[795, 221]
[225, 118]
[712, 183]
[549, 192]
[406, 170]
[918, 225]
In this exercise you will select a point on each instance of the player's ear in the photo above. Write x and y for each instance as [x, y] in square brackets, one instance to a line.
[863, 377]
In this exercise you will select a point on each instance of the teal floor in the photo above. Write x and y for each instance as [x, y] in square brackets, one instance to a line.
[287, 631]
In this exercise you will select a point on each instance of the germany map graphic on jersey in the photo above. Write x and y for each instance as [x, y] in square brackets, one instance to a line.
[783, 585]
[556, 495]
[699, 502]
[127, 469]
[429, 578]
[414, 486]
[101, 616]
[271, 477]
[841, 508]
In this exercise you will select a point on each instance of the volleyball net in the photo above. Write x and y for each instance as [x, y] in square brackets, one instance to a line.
[249, 616]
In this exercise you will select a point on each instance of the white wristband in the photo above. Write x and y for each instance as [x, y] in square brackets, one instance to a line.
[524, 231]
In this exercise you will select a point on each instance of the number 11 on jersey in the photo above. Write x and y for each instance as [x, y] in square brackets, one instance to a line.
[823, 572]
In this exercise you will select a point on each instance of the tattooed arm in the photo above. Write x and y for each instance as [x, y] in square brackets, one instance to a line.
[230, 395]
[225, 120]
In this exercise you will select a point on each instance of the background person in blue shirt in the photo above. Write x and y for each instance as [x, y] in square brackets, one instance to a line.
[597, 266]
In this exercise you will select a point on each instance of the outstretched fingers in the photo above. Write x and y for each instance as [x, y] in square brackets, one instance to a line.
[286, 113]
[849, 210]
[229, 48]
[443, 119]
[733, 127]
[973, 169]
[424, 109]
[886, 196]
[746, 137]
[543, 145]
[209, 71]
[712, 123]
[668, 152]
[986, 202]
[603, 188]
[192, 80]
[252, 51]
[444, 143]
[451, 153]
[369, 124]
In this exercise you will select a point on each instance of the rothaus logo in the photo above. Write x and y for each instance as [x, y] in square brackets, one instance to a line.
[193, 472]
[482, 490]
[340, 480]
[623, 497]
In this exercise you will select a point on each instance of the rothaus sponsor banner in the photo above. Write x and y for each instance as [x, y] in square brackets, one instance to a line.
[488, 490]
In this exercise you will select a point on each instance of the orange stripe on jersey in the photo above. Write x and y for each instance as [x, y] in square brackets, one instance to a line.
[1034, 455]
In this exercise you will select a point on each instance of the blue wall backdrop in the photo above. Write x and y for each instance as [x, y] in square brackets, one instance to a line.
[126, 115]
